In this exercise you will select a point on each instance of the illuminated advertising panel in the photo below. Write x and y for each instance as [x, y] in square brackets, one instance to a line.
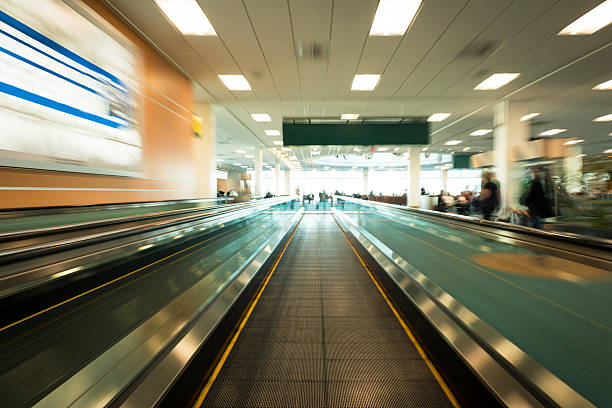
[69, 90]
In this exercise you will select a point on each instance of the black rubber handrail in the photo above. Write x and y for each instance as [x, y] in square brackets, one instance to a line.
[494, 226]
[75, 242]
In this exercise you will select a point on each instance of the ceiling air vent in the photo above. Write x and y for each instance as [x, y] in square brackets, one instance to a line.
[478, 49]
[311, 51]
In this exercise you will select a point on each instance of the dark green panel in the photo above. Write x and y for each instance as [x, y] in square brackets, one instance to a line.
[368, 134]
[461, 160]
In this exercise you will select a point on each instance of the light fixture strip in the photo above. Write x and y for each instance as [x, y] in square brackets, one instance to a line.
[187, 17]
[393, 17]
[496, 81]
[592, 21]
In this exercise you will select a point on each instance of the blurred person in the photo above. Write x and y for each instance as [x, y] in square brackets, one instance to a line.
[537, 201]
[490, 197]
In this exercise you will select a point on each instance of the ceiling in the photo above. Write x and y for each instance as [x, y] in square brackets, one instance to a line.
[451, 46]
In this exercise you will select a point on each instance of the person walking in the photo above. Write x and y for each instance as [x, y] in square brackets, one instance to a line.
[536, 200]
[490, 197]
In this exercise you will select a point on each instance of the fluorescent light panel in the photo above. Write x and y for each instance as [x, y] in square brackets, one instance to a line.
[481, 132]
[465, 149]
[552, 132]
[592, 21]
[187, 16]
[607, 151]
[438, 117]
[529, 116]
[604, 118]
[278, 143]
[496, 81]
[453, 142]
[604, 86]
[393, 17]
[261, 117]
[349, 116]
[365, 82]
[573, 142]
[272, 132]
[235, 82]
[382, 149]
[239, 151]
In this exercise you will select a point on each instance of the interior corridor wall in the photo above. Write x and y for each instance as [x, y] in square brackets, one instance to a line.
[168, 170]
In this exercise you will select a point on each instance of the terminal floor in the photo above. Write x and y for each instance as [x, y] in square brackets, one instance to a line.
[565, 325]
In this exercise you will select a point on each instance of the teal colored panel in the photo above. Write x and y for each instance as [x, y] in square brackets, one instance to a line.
[461, 161]
[368, 134]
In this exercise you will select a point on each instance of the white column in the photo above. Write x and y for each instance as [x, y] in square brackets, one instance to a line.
[445, 179]
[277, 179]
[205, 180]
[258, 171]
[365, 184]
[414, 191]
[573, 169]
[288, 182]
[508, 131]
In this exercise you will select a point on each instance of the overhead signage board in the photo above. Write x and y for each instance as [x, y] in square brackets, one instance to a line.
[358, 134]
[462, 160]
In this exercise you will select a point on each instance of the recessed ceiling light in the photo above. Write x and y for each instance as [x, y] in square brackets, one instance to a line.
[382, 149]
[315, 153]
[187, 16]
[286, 149]
[552, 132]
[235, 82]
[278, 143]
[607, 151]
[261, 117]
[237, 164]
[604, 86]
[592, 21]
[239, 151]
[481, 132]
[573, 141]
[272, 132]
[349, 116]
[496, 81]
[248, 156]
[365, 82]
[356, 149]
[396, 149]
[393, 17]
[453, 142]
[425, 149]
[438, 117]
[604, 118]
[581, 155]
[465, 149]
[529, 116]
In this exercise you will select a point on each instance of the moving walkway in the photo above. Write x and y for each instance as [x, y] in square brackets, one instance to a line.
[260, 305]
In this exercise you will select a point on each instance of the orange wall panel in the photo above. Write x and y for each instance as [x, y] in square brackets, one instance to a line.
[168, 166]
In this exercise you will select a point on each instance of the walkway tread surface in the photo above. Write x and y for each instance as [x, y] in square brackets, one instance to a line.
[322, 335]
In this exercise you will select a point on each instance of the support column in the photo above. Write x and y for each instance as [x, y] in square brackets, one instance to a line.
[258, 171]
[573, 169]
[277, 179]
[288, 182]
[205, 179]
[508, 131]
[365, 183]
[414, 191]
[445, 180]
